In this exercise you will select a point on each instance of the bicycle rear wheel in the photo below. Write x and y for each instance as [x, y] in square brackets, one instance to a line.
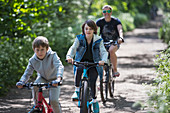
[84, 98]
[102, 92]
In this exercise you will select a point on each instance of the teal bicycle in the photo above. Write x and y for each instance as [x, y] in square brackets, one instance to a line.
[85, 93]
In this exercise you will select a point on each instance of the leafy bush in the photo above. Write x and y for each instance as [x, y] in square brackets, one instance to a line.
[164, 31]
[140, 19]
[59, 38]
[127, 21]
[21, 21]
[13, 59]
[160, 95]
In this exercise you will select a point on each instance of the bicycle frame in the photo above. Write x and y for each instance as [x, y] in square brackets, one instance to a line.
[41, 100]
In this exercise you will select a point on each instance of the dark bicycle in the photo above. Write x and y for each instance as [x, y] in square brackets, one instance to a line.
[108, 81]
[40, 108]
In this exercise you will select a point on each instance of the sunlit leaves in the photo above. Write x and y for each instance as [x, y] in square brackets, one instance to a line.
[160, 95]
[60, 8]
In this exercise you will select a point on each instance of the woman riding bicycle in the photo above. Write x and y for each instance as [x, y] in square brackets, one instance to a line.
[49, 68]
[88, 47]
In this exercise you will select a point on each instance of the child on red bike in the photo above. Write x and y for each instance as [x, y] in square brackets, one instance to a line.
[88, 47]
[49, 68]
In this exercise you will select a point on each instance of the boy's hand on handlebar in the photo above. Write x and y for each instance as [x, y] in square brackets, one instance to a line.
[20, 84]
[101, 63]
[55, 82]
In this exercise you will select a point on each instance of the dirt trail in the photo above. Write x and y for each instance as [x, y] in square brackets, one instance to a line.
[135, 64]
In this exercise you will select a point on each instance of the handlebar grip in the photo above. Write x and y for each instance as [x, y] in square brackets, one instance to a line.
[60, 83]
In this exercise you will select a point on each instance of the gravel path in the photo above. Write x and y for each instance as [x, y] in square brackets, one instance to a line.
[135, 64]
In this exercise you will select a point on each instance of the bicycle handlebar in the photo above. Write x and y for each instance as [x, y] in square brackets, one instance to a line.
[86, 64]
[110, 42]
[40, 84]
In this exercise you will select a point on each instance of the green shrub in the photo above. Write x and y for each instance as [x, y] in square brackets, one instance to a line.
[127, 21]
[160, 95]
[13, 61]
[140, 19]
[164, 31]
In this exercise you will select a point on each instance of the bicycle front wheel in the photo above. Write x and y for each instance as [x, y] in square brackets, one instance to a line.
[84, 97]
[111, 83]
[104, 85]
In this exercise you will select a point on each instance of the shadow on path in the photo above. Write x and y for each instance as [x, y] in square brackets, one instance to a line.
[121, 104]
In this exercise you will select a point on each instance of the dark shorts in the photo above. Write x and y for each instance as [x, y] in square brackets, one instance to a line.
[108, 46]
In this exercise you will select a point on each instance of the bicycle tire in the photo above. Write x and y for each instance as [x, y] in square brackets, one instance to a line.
[85, 97]
[104, 85]
[101, 91]
[107, 84]
[111, 83]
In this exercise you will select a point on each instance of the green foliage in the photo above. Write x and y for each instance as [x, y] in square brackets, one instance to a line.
[13, 62]
[61, 28]
[127, 21]
[164, 31]
[160, 95]
[21, 21]
[140, 19]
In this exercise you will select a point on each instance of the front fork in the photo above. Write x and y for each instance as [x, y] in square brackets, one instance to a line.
[85, 77]
[40, 99]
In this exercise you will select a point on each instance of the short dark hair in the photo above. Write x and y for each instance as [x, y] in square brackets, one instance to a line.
[40, 41]
[91, 24]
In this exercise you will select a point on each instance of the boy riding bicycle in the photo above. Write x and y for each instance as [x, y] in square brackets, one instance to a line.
[49, 68]
[88, 47]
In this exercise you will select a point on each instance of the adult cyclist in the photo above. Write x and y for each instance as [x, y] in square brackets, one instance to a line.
[111, 29]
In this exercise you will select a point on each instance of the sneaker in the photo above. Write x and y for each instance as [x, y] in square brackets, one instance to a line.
[116, 74]
[95, 107]
[75, 96]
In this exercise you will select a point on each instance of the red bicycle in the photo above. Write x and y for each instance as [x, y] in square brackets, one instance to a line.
[40, 108]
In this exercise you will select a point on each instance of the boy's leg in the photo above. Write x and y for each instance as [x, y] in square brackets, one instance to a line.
[54, 99]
